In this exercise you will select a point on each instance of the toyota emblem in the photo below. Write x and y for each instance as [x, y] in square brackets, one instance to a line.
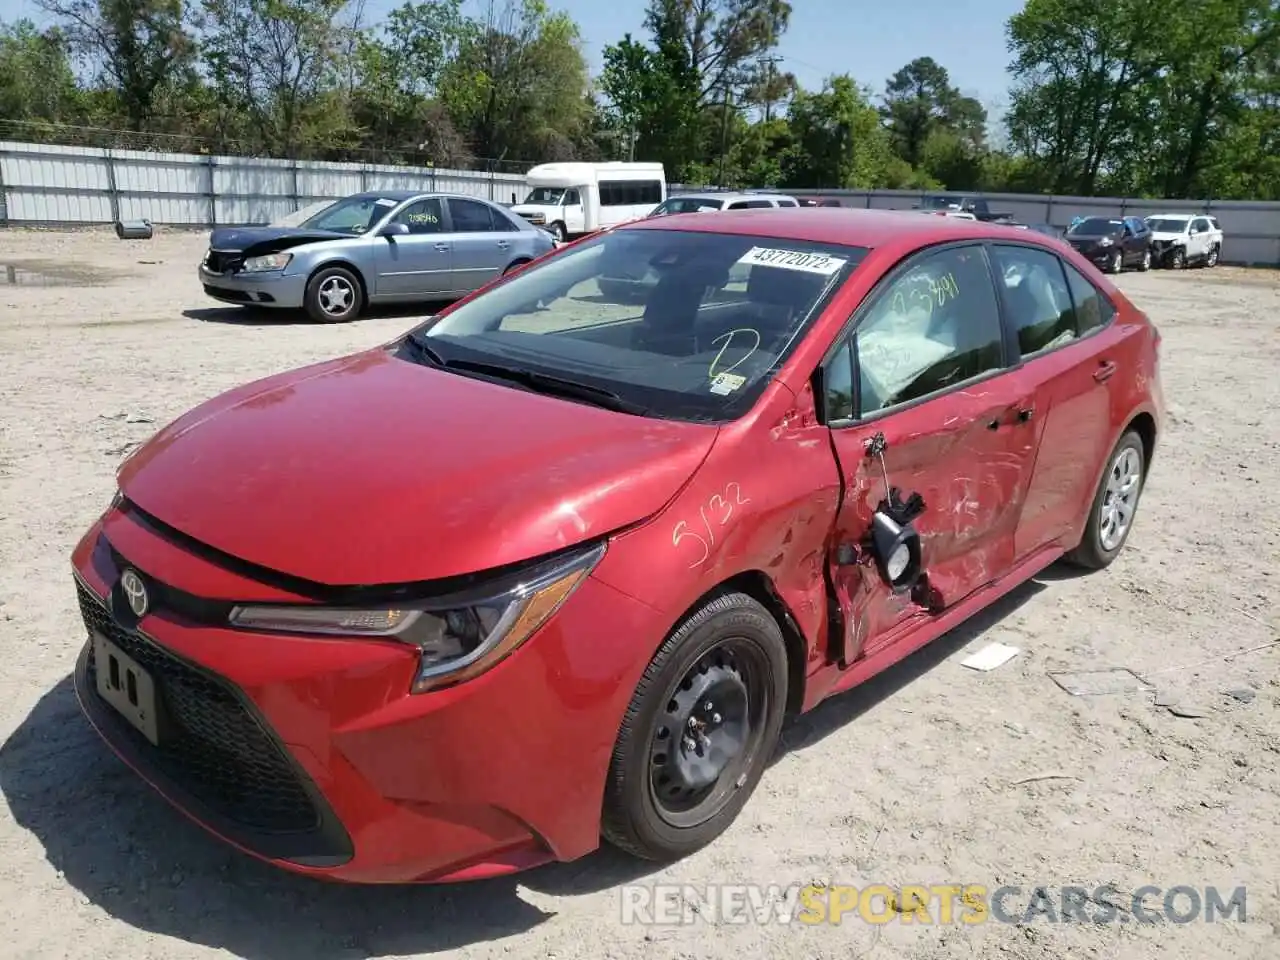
[135, 592]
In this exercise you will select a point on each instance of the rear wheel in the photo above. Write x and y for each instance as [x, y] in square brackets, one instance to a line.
[1114, 505]
[1212, 259]
[334, 295]
[701, 728]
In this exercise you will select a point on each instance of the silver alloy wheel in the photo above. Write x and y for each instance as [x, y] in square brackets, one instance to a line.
[1213, 256]
[1146, 260]
[336, 296]
[1120, 500]
[1117, 262]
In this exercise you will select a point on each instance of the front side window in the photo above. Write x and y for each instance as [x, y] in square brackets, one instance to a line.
[686, 205]
[571, 198]
[354, 215]
[1037, 298]
[422, 216]
[932, 327]
[685, 325]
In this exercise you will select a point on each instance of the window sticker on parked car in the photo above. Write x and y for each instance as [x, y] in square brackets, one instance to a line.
[384, 202]
[818, 263]
[726, 383]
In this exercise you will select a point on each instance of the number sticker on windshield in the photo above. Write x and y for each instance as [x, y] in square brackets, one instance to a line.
[818, 263]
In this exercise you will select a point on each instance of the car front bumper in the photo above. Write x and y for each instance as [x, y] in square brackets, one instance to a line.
[273, 289]
[1098, 256]
[311, 753]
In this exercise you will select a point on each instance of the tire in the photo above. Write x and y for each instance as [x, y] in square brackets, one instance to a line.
[1145, 265]
[512, 267]
[1097, 548]
[1116, 263]
[557, 231]
[734, 645]
[334, 295]
[1178, 259]
[1212, 259]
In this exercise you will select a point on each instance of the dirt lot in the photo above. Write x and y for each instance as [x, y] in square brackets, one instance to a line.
[933, 774]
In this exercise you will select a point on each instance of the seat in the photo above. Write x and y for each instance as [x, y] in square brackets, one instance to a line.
[670, 313]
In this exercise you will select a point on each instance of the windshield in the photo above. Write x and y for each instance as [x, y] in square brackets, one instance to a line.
[685, 325]
[545, 196]
[352, 215]
[1096, 227]
[1167, 225]
[686, 205]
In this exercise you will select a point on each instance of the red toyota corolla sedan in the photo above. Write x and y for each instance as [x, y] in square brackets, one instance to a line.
[553, 567]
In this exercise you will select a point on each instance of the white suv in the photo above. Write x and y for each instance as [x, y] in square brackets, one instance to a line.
[1181, 239]
[703, 202]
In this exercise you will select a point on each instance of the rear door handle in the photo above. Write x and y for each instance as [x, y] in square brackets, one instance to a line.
[503, 244]
[1106, 369]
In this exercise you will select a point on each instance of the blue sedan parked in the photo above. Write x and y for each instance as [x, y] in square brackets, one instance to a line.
[391, 246]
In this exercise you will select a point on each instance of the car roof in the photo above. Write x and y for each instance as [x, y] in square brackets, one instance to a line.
[843, 225]
[1172, 216]
[402, 195]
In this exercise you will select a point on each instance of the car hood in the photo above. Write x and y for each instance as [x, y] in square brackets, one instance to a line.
[1160, 235]
[1091, 240]
[375, 470]
[262, 240]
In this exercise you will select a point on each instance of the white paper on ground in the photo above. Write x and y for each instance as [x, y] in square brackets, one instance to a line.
[990, 657]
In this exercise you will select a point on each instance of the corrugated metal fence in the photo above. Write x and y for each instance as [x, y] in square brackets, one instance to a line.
[43, 184]
[1251, 228]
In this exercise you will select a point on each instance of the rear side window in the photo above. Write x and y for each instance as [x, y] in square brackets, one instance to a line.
[1093, 309]
[934, 326]
[787, 202]
[471, 216]
[1037, 298]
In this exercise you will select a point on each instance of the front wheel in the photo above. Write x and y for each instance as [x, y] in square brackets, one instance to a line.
[1116, 264]
[558, 232]
[334, 295]
[1179, 258]
[700, 730]
[1145, 265]
[1114, 505]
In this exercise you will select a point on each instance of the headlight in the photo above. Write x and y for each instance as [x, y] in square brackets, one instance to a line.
[1105, 242]
[457, 637]
[272, 261]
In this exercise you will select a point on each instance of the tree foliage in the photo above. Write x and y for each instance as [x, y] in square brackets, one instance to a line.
[1174, 98]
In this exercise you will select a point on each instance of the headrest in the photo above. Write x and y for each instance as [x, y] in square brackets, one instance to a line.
[777, 285]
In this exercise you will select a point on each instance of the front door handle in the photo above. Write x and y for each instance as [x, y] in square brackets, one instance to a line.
[1106, 369]
[442, 247]
[503, 244]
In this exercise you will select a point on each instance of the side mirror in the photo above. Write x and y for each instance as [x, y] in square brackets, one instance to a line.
[394, 230]
[897, 552]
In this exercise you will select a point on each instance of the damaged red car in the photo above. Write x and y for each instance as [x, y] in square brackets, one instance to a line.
[553, 568]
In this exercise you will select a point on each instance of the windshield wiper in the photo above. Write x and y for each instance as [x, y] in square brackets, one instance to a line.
[556, 386]
[419, 340]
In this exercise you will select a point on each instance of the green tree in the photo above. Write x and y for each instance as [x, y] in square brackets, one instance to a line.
[919, 102]
[36, 80]
[839, 140]
[135, 46]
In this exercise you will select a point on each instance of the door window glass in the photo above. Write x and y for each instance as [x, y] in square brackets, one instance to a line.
[1037, 298]
[932, 327]
[421, 216]
[1093, 310]
[571, 198]
[470, 216]
[838, 385]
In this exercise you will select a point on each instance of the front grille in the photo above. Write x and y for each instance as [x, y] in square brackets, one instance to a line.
[210, 744]
[222, 293]
[222, 261]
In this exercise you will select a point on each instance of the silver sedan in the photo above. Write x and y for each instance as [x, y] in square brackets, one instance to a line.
[371, 248]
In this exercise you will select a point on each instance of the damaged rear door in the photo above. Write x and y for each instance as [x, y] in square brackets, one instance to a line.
[923, 372]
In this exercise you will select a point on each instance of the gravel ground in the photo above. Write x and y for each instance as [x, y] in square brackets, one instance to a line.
[931, 774]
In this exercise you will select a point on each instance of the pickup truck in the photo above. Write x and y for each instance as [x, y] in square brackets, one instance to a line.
[961, 204]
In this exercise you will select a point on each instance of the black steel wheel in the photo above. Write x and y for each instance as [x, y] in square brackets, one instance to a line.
[699, 732]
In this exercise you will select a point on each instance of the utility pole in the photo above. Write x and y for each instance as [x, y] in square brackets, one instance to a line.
[769, 64]
[724, 134]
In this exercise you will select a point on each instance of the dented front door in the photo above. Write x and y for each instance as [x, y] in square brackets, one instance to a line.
[928, 363]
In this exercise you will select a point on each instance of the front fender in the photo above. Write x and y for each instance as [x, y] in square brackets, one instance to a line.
[764, 501]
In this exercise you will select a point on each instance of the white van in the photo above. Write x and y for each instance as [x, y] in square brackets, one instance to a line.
[570, 199]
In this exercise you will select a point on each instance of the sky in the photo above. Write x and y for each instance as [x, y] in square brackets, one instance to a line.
[869, 40]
